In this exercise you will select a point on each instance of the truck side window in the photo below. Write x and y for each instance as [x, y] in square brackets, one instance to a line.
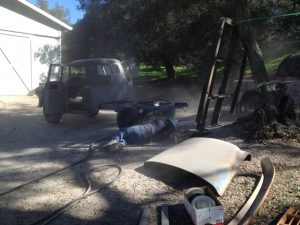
[115, 69]
[100, 70]
[107, 70]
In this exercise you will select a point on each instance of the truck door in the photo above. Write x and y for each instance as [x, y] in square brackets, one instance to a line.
[54, 91]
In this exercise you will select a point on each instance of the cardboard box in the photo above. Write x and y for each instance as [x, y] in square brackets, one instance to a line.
[212, 215]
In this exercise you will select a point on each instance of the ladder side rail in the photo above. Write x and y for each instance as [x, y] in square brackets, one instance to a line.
[227, 68]
[207, 89]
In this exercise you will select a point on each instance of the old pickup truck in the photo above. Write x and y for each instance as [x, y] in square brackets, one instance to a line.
[88, 85]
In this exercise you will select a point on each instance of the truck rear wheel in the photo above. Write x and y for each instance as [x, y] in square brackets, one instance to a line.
[53, 118]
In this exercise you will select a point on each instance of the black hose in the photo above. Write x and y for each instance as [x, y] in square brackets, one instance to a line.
[47, 219]
[50, 174]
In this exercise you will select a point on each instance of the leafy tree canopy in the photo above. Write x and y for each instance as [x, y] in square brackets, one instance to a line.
[58, 11]
[170, 32]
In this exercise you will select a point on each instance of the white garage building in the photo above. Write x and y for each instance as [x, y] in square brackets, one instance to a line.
[30, 39]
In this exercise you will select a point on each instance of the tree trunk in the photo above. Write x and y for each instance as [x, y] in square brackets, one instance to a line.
[259, 72]
[276, 111]
[169, 67]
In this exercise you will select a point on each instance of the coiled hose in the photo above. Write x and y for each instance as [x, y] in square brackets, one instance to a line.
[88, 192]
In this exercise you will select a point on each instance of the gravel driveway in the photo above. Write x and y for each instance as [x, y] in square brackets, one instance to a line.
[30, 148]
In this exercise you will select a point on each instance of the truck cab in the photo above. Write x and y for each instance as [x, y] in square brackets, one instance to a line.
[84, 87]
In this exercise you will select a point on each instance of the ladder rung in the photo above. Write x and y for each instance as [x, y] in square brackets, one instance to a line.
[228, 61]
[220, 60]
[218, 96]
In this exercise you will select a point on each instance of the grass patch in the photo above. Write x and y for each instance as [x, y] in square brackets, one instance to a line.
[160, 73]
[273, 63]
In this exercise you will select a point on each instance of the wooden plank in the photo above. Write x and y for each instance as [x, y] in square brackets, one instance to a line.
[165, 215]
[219, 96]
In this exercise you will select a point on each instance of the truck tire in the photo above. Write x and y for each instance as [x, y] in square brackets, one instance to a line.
[53, 118]
[127, 117]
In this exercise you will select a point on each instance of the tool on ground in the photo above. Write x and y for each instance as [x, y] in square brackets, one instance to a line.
[203, 201]
[203, 206]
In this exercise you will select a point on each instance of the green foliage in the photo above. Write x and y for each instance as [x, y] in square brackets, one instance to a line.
[43, 4]
[158, 73]
[169, 33]
[272, 63]
[271, 29]
[58, 11]
[158, 33]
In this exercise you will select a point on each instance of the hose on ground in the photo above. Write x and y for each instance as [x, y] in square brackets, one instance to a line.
[88, 192]
[90, 152]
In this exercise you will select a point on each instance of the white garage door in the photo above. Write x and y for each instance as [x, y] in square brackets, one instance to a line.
[15, 65]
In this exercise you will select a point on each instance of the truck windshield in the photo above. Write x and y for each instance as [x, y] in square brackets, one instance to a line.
[94, 69]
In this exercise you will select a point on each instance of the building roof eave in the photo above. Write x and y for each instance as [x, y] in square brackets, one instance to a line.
[40, 11]
[29, 10]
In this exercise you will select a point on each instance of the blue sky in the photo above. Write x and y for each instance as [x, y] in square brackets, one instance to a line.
[69, 4]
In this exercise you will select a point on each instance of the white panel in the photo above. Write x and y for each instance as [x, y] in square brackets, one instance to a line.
[45, 51]
[11, 21]
[15, 65]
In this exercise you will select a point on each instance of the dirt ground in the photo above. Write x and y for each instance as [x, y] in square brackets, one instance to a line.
[30, 148]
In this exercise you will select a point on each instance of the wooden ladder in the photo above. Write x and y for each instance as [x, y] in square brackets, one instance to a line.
[210, 78]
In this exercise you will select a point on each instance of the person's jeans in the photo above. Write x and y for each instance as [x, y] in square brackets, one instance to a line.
[139, 134]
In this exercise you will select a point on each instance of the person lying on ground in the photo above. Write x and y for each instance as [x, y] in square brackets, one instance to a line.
[141, 134]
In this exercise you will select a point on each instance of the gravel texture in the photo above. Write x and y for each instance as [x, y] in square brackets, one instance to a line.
[30, 147]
